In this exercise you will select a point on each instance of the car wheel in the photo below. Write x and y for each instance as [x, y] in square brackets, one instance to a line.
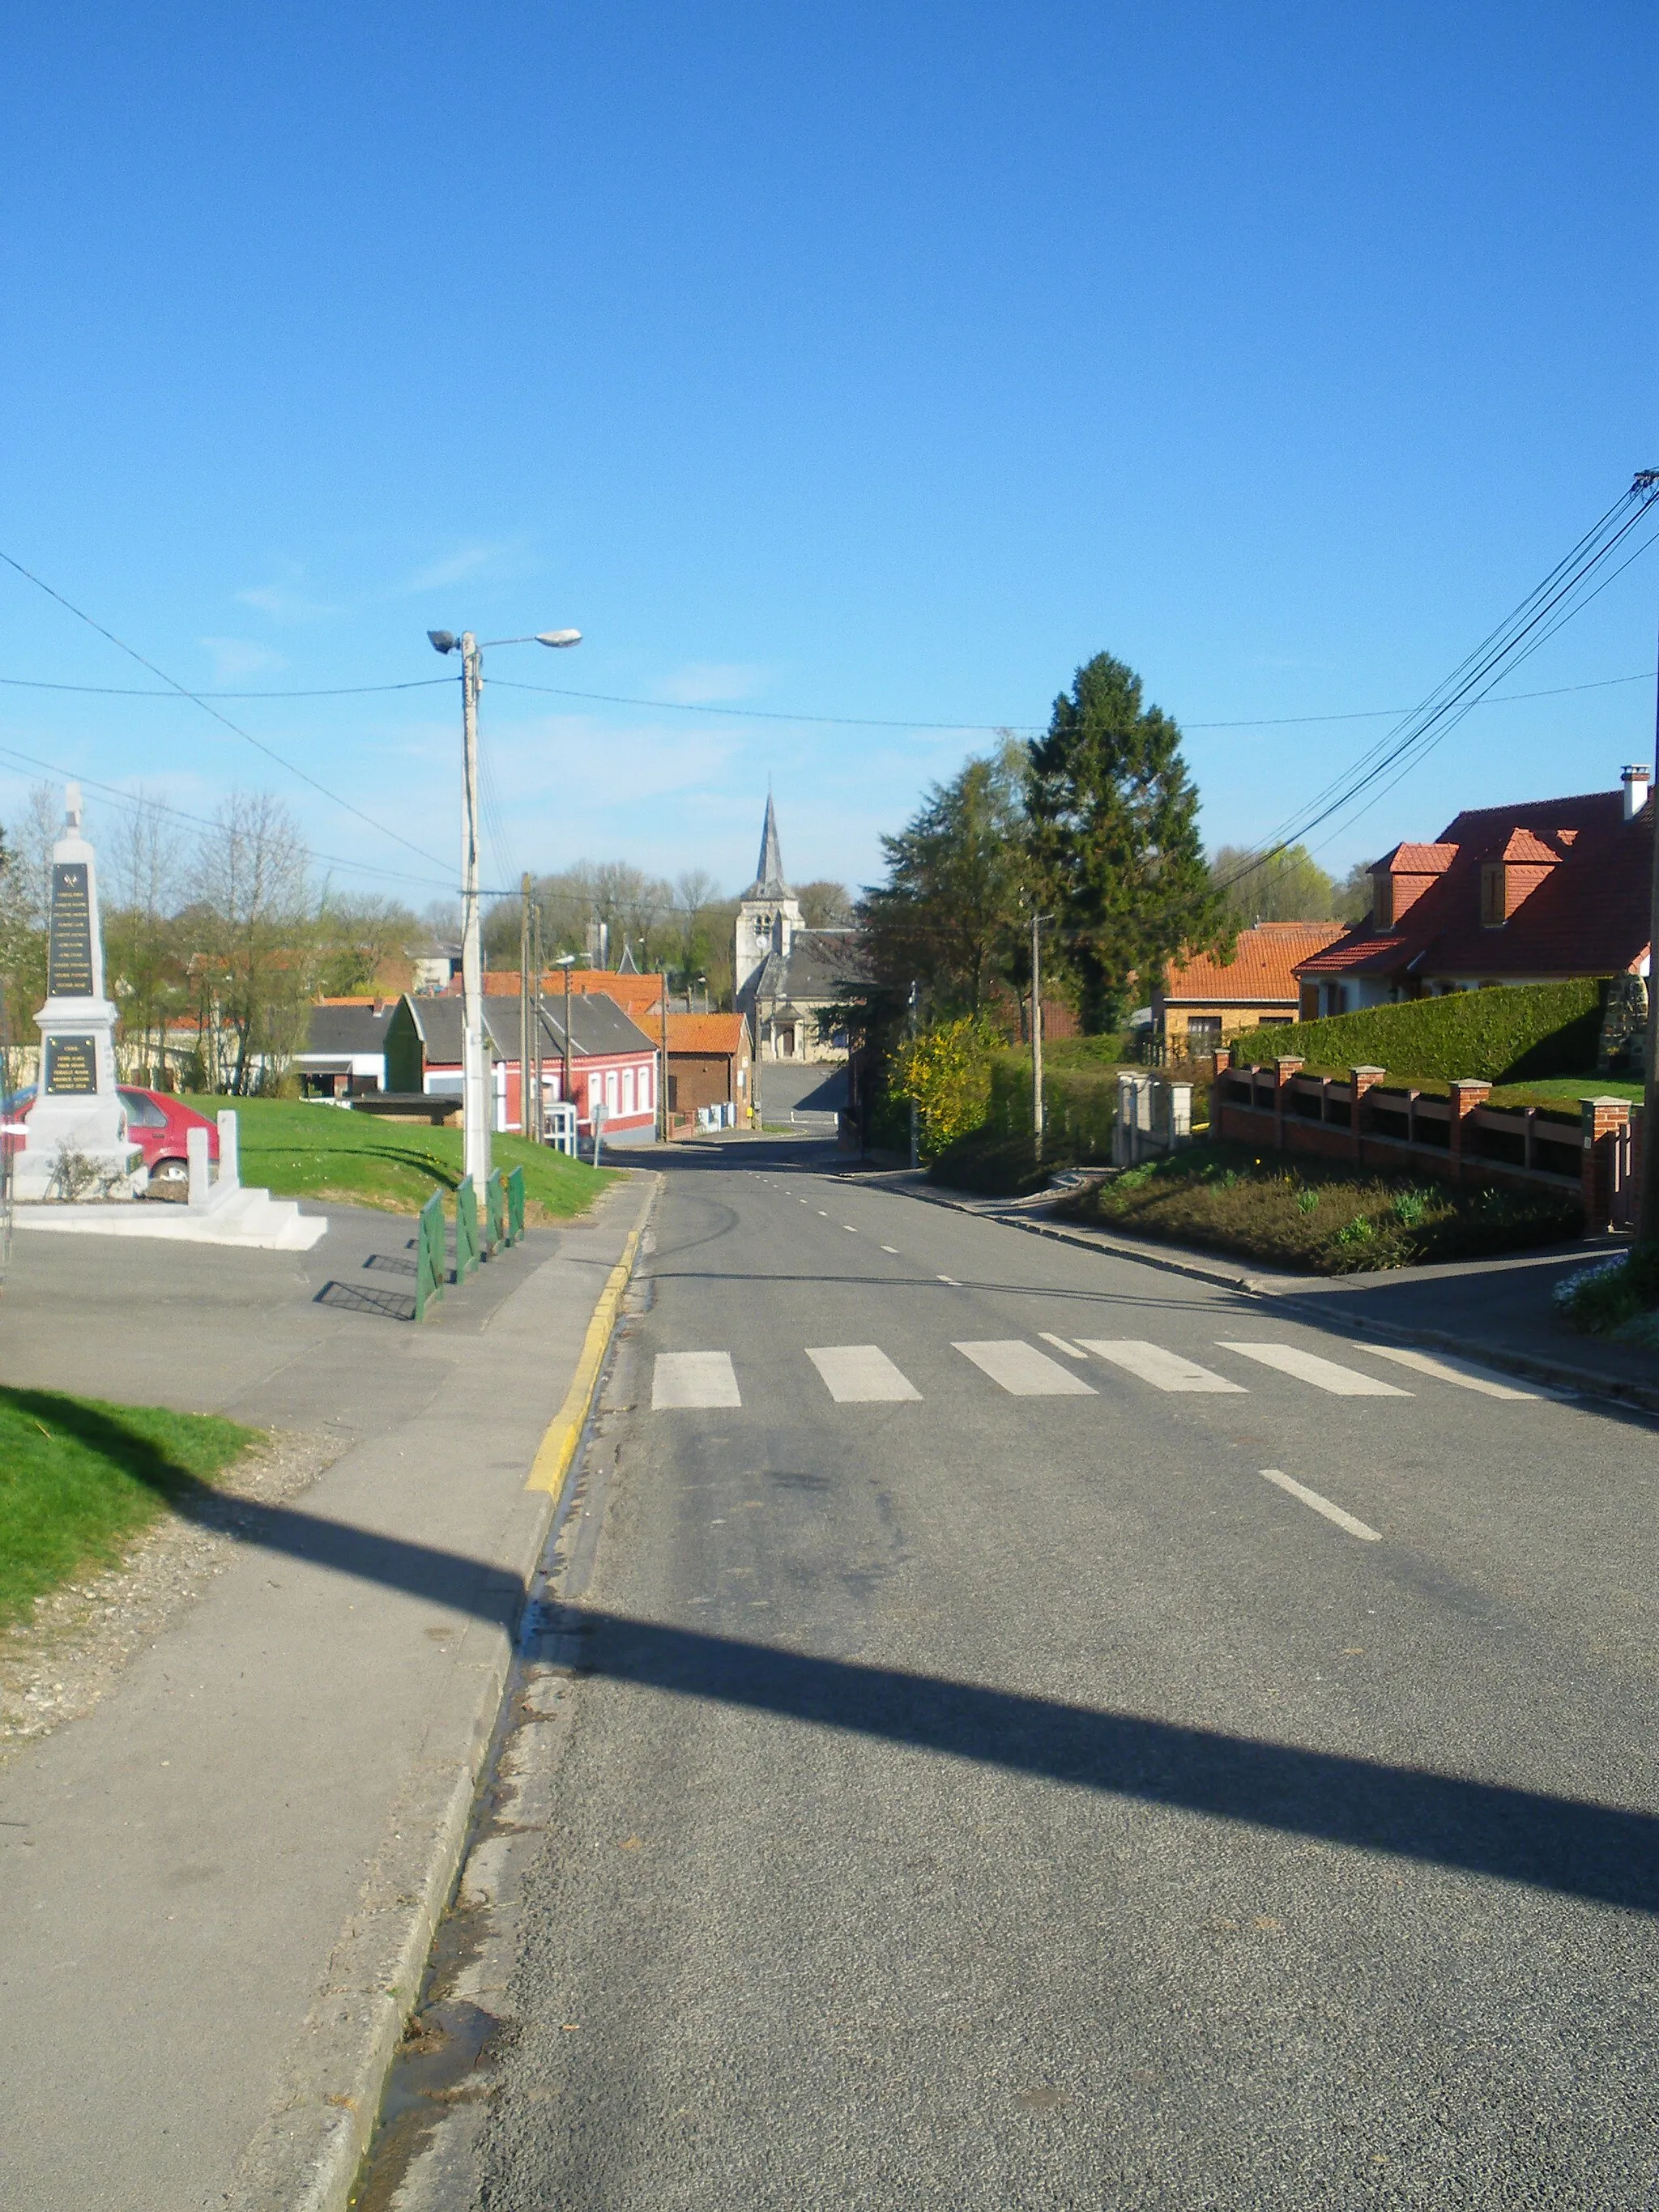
[169, 1179]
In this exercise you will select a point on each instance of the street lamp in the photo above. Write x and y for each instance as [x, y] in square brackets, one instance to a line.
[475, 1068]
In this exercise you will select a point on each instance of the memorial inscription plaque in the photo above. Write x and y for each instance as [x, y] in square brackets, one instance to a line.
[71, 1066]
[69, 945]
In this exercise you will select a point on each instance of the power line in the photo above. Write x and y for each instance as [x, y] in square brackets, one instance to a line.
[842, 721]
[1538, 616]
[150, 691]
[184, 692]
[138, 801]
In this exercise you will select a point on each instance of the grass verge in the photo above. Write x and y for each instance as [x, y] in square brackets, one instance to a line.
[1320, 1220]
[316, 1151]
[79, 1478]
[1618, 1296]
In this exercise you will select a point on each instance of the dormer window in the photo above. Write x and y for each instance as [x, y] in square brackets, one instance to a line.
[1494, 900]
[1382, 898]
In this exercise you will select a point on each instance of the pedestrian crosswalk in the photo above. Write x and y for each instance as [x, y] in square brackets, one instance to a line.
[865, 1375]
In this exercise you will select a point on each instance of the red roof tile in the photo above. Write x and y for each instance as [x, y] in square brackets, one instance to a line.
[710, 1033]
[1262, 970]
[1587, 915]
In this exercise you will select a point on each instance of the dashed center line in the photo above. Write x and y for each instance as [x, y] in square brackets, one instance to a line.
[1322, 1505]
[893, 1249]
[951, 1279]
[849, 1227]
[1061, 1345]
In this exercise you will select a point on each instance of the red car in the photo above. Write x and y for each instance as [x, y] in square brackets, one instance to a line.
[158, 1124]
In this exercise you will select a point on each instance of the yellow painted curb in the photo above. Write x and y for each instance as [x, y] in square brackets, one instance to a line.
[558, 1447]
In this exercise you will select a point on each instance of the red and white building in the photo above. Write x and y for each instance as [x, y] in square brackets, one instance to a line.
[612, 1060]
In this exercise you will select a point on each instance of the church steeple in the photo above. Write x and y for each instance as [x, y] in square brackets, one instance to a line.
[768, 876]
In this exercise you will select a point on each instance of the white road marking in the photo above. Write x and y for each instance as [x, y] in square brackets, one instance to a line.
[893, 1249]
[1023, 1372]
[1323, 1374]
[822, 1216]
[1061, 1345]
[860, 1375]
[693, 1378]
[1461, 1371]
[951, 1279]
[849, 1227]
[1323, 1505]
[1165, 1370]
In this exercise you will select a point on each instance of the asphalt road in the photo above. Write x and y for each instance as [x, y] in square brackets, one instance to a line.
[977, 1798]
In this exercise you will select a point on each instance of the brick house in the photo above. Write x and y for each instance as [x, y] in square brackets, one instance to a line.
[1205, 1002]
[710, 1062]
[1545, 891]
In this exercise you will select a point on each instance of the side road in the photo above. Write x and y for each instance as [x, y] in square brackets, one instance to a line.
[1495, 1311]
[218, 1892]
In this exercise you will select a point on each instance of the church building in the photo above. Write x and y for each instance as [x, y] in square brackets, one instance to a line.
[786, 976]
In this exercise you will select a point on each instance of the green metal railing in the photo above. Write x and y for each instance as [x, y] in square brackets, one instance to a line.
[516, 1207]
[496, 1234]
[466, 1230]
[430, 1268]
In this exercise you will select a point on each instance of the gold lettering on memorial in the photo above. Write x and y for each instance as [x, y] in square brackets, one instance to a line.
[69, 943]
[71, 1066]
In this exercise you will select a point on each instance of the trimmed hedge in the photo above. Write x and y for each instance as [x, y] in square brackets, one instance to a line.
[1079, 1106]
[1511, 1033]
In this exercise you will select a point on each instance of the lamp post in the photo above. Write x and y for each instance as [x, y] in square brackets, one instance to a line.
[474, 1068]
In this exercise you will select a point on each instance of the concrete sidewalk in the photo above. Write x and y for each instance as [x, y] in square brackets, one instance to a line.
[217, 1891]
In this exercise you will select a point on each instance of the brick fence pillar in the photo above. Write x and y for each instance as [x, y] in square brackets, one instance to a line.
[1283, 1071]
[1362, 1080]
[1599, 1119]
[1465, 1098]
[1633, 1204]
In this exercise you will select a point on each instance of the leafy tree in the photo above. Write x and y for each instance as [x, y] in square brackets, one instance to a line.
[1352, 899]
[1115, 830]
[946, 1071]
[949, 915]
[363, 946]
[825, 905]
[1290, 887]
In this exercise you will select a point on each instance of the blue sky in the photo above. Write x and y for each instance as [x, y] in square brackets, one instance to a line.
[869, 361]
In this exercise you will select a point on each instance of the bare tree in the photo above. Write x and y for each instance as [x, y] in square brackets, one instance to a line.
[254, 974]
[144, 972]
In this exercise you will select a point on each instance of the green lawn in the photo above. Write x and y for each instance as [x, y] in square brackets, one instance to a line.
[79, 1479]
[297, 1149]
[1564, 1090]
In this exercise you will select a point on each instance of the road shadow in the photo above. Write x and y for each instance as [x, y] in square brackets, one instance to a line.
[365, 1298]
[1601, 1854]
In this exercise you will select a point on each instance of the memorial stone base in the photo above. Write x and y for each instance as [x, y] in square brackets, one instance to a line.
[76, 1149]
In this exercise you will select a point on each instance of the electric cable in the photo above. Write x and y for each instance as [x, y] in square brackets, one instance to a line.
[184, 692]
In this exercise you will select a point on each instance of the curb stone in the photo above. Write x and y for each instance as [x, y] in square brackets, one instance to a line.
[307, 2155]
[1533, 1367]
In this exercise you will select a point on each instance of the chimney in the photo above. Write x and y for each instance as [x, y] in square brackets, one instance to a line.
[1635, 781]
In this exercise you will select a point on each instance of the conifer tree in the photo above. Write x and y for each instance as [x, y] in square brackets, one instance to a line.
[1114, 825]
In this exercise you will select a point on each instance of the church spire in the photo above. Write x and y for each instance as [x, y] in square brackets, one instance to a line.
[769, 877]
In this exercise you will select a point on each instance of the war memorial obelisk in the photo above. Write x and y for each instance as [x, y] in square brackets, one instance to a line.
[77, 1116]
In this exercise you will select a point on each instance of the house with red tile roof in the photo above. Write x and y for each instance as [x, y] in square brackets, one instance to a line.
[1206, 1001]
[710, 1063]
[1545, 891]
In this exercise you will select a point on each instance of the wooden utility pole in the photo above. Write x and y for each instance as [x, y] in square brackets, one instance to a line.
[1036, 1035]
[1647, 1219]
[662, 1073]
[915, 988]
[475, 1064]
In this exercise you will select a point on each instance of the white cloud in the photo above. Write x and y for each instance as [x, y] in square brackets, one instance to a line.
[234, 657]
[704, 683]
[286, 601]
[455, 568]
